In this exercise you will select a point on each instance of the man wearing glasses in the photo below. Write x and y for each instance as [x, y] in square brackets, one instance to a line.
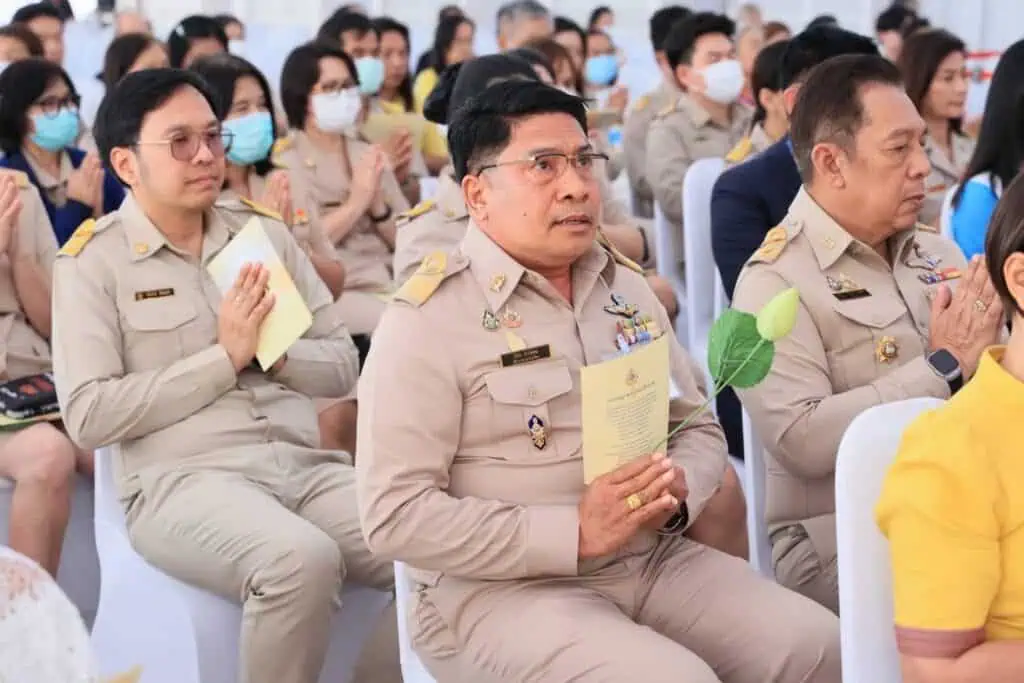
[469, 441]
[219, 467]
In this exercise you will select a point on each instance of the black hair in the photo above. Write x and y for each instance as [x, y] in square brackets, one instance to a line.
[554, 52]
[137, 95]
[226, 20]
[662, 21]
[459, 82]
[774, 28]
[822, 20]
[1000, 148]
[28, 39]
[566, 25]
[599, 12]
[920, 58]
[37, 10]
[22, 83]
[482, 127]
[300, 73]
[222, 73]
[831, 107]
[444, 36]
[811, 47]
[341, 22]
[1004, 239]
[685, 33]
[449, 11]
[534, 58]
[195, 27]
[894, 18]
[121, 54]
[765, 76]
[384, 25]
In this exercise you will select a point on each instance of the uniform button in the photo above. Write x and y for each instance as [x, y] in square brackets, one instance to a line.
[532, 392]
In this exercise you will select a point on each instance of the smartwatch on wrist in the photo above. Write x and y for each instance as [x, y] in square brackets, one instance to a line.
[945, 365]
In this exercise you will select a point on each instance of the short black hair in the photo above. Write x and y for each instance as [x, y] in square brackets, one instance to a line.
[300, 73]
[1005, 238]
[831, 108]
[597, 14]
[121, 54]
[894, 18]
[482, 128]
[37, 10]
[765, 75]
[534, 58]
[341, 22]
[567, 25]
[226, 20]
[133, 98]
[22, 83]
[449, 11]
[195, 27]
[460, 82]
[813, 46]
[685, 33]
[823, 20]
[28, 39]
[661, 24]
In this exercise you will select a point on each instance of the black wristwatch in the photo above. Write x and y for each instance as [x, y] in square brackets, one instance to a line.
[380, 219]
[676, 524]
[945, 365]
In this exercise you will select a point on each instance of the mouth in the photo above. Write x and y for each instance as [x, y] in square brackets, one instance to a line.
[204, 181]
[575, 220]
[916, 198]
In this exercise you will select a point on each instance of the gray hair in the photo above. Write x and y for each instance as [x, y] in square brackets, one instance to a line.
[518, 9]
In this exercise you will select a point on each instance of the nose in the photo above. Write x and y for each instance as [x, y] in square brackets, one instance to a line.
[920, 164]
[577, 184]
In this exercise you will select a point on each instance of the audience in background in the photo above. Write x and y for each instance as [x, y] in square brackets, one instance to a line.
[358, 38]
[17, 42]
[131, 22]
[601, 19]
[573, 38]
[453, 44]
[889, 29]
[194, 37]
[47, 22]
[774, 31]
[520, 21]
[132, 52]
[770, 122]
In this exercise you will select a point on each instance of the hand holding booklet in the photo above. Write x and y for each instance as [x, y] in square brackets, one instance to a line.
[290, 317]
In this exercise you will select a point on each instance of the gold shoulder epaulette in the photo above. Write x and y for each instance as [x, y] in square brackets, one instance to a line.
[416, 211]
[774, 242]
[79, 238]
[741, 151]
[261, 210]
[642, 103]
[668, 109]
[281, 145]
[20, 177]
[617, 255]
[425, 281]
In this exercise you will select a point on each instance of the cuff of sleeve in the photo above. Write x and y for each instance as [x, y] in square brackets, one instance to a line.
[913, 380]
[553, 540]
[217, 370]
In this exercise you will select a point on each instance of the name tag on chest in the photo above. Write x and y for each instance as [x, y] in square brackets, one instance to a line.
[534, 353]
[154, 293]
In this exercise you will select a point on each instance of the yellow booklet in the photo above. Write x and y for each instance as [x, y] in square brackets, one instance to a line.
[625, 407]
[290, 317]
[380, 126]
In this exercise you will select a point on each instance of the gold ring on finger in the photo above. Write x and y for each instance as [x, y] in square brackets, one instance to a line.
[980, 306]
[634, 501]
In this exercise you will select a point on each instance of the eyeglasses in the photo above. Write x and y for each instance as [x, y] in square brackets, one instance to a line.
[550, 166]
[185, 146]
[52, 106]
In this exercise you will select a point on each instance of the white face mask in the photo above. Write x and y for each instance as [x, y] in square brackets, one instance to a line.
[724, 81]
[337, 112]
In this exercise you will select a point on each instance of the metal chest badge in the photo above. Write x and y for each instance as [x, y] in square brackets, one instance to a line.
[621, 308]
[538, 432]
[490, 321]
[887, 349]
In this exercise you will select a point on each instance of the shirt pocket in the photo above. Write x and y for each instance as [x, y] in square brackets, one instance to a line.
[527, 404]
[155, 332]
[858, 356]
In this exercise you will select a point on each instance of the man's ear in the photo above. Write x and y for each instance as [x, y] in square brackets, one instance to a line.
[826, 158]
[124, 164]
[474, 193]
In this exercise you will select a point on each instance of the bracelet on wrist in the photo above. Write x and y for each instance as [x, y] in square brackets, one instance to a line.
[383, 217]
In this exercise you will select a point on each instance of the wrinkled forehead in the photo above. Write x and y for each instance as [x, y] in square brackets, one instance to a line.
[549, 132]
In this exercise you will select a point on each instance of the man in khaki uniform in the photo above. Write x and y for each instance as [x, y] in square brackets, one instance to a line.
[877, 323]
[640, 117]
[522, 571]
[704, 121]
[219, 467]
[39, 459]
[755, 142]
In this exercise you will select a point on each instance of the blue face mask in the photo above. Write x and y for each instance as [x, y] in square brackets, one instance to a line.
[602, 70]
[370, 71]
[54, 133]
[253, 138]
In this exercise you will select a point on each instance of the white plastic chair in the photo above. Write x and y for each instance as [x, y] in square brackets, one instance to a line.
[413, 670]
[946, 213]
[754, 487]
[701, 274]
[79, 571]
[865, 582]
[178, 633]
[669, 252]
[428, 187]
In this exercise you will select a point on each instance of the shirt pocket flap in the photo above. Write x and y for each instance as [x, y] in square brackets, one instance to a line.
[156, 315]
[533, 384]
[871, 311]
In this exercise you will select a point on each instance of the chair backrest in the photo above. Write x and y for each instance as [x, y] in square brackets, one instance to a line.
[701, 274]
[413, 670]
[754, 488]
[865, 582]
[669, 249]
[946, 213]
[108, 507]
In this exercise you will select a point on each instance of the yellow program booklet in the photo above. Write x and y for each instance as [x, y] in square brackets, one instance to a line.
[290, 317]
[625, 407]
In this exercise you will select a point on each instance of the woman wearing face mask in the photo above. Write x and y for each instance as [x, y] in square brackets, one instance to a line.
[346, 185]
[39, 123]
[601, 71]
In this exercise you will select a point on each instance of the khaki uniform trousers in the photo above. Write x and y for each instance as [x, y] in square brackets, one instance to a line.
[361, 310]
[804, 557]
[275, 528]
[686, 613]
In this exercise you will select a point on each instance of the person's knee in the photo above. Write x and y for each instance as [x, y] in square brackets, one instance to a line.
[311, 565]
[665, 294]
[810, 644]
[42, 456]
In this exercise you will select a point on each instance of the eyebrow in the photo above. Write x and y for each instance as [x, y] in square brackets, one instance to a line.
[904, 132]
[181, 128]
[585, 147]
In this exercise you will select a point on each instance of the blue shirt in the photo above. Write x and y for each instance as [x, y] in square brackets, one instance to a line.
[971, 216]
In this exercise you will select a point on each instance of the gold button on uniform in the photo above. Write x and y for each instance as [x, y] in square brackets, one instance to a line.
[141, 247]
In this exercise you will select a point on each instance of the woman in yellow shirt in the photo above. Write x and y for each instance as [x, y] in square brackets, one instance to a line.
[953, 502]
[453, 43]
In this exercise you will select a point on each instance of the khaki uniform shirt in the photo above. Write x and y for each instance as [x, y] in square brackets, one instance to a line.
[634, 143]
[754, 143]
[55, 187]
[470, 470]
[859, 341]
[23, 351]
[946, 173]
[307, 233]
[136, 356]
[320, 183]
[680, 135]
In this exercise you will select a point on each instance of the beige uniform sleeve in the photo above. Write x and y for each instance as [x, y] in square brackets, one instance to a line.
[99, 402]
[634, 144]
[395, 199]
[668, 160]
[795, 410]
[35, 233]
[413, 241]
[324, 363]
[410, 414]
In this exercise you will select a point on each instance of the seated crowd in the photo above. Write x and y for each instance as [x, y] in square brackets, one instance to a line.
[453, 230]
